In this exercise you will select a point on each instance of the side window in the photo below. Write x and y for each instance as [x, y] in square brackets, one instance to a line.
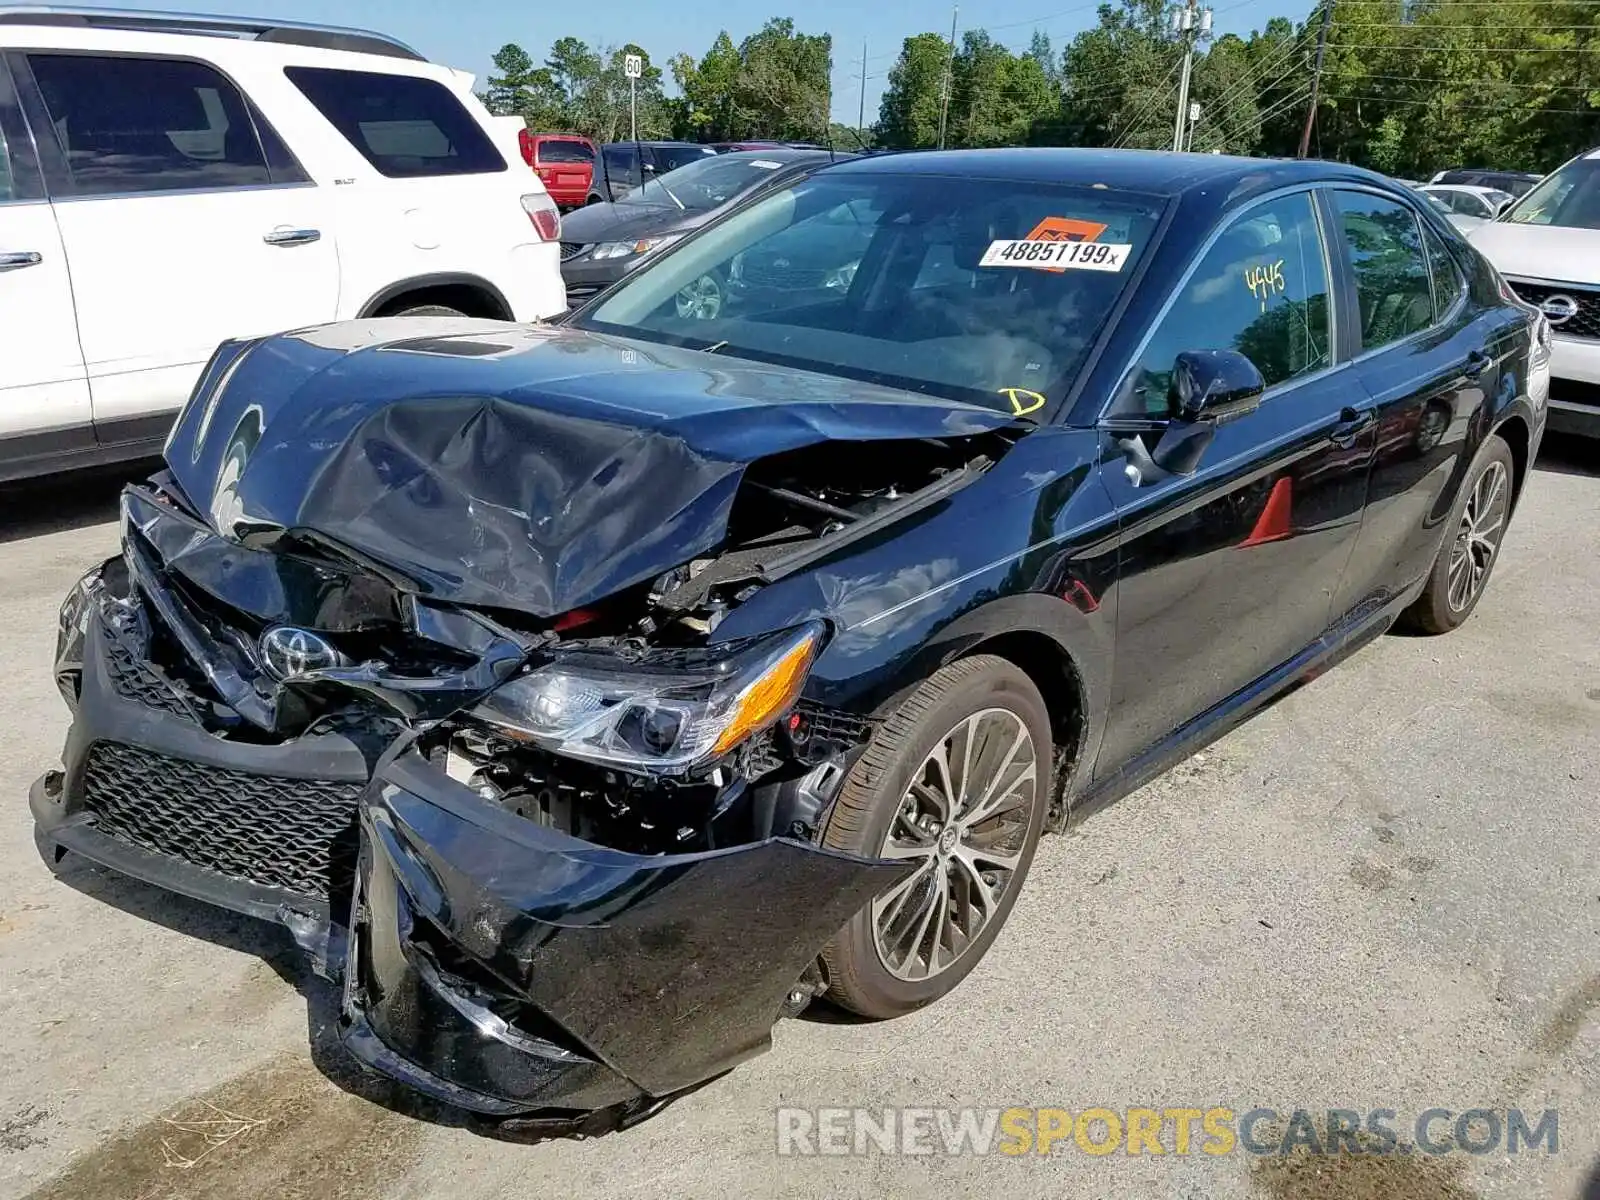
[1261, 289]
[405, 126]
[1392, 280]
[1448, 282]
[148, 124]
[620, 162]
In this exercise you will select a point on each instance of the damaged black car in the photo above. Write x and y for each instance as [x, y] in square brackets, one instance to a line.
[585, 698]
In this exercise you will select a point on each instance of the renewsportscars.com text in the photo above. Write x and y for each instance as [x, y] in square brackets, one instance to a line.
[1216, 1131]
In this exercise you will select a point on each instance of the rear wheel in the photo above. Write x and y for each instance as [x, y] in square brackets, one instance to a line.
[956, 781]
[1477, 524]
[427, 310]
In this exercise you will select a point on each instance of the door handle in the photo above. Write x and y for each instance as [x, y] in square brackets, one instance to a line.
[1352, 424]
[1477, 362]
[15, 260]
[292, 237]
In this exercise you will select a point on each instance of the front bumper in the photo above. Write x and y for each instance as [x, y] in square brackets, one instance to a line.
[1575, 386]
[492, 963]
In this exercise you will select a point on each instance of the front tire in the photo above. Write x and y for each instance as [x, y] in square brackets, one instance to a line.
[958, 779]
[1472, 544]
[427, 310]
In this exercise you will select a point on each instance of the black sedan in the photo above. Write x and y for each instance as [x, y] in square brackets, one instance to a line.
[587, 698]
[603, 242]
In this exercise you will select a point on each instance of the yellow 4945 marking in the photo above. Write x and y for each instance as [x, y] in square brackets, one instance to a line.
[1265, 281]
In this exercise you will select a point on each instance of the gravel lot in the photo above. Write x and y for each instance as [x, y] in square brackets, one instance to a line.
[1381, 893]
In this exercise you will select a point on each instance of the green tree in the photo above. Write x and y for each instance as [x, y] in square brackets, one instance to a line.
[908, 115]
[784, 88]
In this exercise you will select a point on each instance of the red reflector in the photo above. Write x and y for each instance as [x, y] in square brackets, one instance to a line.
[571, 620]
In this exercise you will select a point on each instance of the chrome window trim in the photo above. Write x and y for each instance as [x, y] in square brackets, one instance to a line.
[1277, 389]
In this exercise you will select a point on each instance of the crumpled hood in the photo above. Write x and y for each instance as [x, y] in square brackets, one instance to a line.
[530, 468]
[1539, 251]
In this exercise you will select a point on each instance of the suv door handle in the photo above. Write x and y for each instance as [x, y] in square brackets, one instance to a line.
[15, 260]
[1352, 424]
[1477, 362]
[292, 237]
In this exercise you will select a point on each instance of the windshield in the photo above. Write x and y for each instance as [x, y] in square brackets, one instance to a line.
[704, 183]
[1569, 198]
[978, 290]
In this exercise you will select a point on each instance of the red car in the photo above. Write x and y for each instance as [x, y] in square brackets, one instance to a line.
[564, 163]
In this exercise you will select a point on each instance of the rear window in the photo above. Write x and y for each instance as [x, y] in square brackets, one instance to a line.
[670, 158]
[404, 126]
[561, 151]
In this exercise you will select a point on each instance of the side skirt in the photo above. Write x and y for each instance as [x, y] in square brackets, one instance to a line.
[1359, 629]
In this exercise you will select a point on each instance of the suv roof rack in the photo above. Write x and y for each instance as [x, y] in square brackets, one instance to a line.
[261, 29]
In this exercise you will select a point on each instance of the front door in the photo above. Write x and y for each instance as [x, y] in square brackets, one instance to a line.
[1229, 572]
[184, 225]
[44, 394]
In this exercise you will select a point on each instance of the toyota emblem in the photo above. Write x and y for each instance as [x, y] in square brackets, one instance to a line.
[287, 652]
[1558, 310]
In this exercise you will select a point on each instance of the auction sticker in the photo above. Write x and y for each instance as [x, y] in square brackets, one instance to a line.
[1056, 255]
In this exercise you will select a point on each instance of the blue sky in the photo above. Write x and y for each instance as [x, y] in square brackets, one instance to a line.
[466, 35]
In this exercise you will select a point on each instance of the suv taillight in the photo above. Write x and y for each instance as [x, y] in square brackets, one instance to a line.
[544, 214]
[525, 143]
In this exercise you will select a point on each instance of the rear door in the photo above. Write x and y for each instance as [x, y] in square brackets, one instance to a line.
[565, 166]
[44, 391]
[1429, 358]
[185, 222]
[1229, 573]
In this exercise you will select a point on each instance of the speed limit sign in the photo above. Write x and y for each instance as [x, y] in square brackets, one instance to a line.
[633, 65]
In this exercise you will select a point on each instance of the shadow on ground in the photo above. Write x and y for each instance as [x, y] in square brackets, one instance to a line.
[33, 507]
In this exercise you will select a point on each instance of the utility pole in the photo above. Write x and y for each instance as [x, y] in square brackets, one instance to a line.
[861, 115]
[949, 68]
[1189, 23]
[1316, 78]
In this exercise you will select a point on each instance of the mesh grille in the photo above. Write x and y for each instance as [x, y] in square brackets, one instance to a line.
[571, 250]
[136, 680]
[296, 834]
[1585, 323]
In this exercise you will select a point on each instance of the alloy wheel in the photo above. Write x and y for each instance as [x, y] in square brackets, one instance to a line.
[1477, 541]
[700, 300]
[965, 819]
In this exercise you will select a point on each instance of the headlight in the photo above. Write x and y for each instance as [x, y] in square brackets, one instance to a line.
[667, 711]
[629, 249]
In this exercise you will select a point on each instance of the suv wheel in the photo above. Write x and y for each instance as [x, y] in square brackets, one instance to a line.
[956, 780]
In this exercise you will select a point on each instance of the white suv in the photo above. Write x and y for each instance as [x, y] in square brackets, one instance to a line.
[1547, 246]
[167, 182]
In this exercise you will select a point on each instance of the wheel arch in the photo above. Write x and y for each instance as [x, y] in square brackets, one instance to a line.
[440, 288]
[1514, 432]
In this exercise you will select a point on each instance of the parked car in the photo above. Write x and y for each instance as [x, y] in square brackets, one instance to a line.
[1547, 245]
[591, 695]
[1467, 206]
[604, 242]
[164, 188]
[564, 163]
[626, 165]
[729, 147]
[1517, 183]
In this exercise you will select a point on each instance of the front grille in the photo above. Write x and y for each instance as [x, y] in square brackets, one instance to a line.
[134, 679]
[1575, 391]
[777, 273]
[572, 250]
[1585, 323]
[295, 834]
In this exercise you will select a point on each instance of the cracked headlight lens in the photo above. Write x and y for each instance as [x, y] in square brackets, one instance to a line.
[666, 711]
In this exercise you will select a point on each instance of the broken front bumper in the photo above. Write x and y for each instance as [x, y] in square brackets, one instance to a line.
[492, 963]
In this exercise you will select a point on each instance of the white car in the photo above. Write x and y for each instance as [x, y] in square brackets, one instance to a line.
[1464, 205]
[1547, 247]
[168, 182]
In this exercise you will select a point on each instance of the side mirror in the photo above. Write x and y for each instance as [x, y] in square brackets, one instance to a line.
[1208, 387]
[1214, 386]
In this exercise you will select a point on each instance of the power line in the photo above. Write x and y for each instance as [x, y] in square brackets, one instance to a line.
[1575, 112]
[1485, 81]
[1472, 49]
[1155, 98]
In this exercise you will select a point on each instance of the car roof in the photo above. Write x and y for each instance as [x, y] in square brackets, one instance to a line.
[1157, 172]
